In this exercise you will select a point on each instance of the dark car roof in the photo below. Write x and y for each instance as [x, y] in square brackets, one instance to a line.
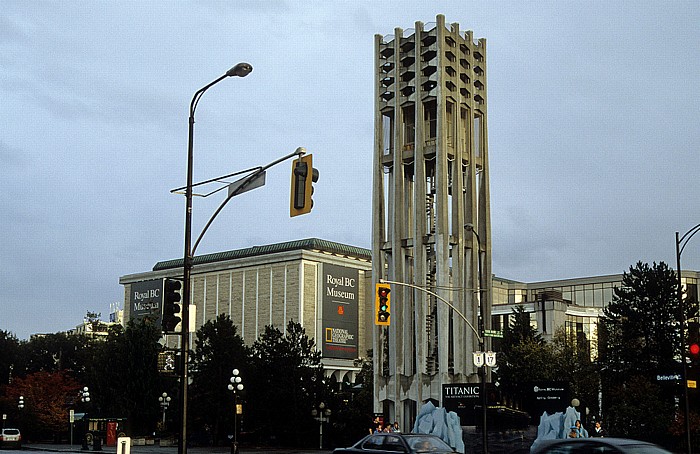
[623, 444]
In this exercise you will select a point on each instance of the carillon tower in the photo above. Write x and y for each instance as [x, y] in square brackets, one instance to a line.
[431, 216]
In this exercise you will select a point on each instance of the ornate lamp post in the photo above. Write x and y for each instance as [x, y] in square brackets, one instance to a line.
[164, 401]
[321, 415]
[85, 399]
[20, 406]
[236, 386]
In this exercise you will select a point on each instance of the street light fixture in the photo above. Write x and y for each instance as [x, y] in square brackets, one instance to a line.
[85, 395]
[240, 70]
[20, 404]
[482, 318]
[681, 242]
[164, 404]
[236, 386]
[321, 415]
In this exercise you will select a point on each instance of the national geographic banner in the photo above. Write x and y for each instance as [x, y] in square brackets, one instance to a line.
[340, 302]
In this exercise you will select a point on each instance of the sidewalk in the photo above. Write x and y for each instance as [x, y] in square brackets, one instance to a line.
[155, 449]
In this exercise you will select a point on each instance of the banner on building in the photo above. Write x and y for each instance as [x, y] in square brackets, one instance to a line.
[340, 311]
[145, 300]
[464, 399]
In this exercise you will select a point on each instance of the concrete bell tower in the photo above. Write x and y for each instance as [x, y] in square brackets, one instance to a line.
[431, 216]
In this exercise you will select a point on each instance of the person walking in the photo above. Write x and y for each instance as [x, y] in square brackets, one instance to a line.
[599, 431]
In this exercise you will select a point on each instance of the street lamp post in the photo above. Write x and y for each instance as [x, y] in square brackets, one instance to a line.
[482, 315]
[240, 70]
[236, 386]
[322, 414]
[85, 399]
[681, 242]
[164, 404]
[20, 406]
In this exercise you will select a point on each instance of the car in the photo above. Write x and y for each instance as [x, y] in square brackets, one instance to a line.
[596, 446]
[396, 442]
[10, 437]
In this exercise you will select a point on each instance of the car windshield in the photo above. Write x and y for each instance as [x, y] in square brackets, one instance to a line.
[424, 444]
[10, 431]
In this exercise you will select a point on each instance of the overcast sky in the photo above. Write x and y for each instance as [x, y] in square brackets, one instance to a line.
[593, 134]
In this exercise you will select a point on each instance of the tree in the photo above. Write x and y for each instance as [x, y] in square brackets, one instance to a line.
[641, 324]
[288, 384]
[53, 352]
[525, 356]
[640, 338]
[125, 381]
[353, 409]
[574, 364]
[520, 329]
[10, 358]
[47, 396]
[218, 350]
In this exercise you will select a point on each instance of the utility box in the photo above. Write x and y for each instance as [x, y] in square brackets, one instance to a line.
[124, 445]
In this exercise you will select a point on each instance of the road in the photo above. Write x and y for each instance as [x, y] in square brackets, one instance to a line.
[154, 449]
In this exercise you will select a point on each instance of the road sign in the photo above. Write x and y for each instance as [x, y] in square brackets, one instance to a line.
[71, 416]
[492, 333]
[253, 183]
[478, 359]
[490, 359]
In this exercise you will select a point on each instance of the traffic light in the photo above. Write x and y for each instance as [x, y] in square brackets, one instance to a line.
[382, 304]
[303, 177]
[171, 305]
[694, 342]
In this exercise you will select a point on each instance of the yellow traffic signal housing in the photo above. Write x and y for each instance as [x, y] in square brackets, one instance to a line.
[303, 177]
[382, 304]
[172, 308]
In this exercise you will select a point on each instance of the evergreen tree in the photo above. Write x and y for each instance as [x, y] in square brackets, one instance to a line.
[641, 324]
[525, 356]
[640, 338]
[289, 384]
[126, 382]
[218, 350]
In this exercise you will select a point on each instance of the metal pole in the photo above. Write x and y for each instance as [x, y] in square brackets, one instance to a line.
[479, 336]
[482, 346]
[320, 432]
[681, 310]
[235, 423]
[187, 271]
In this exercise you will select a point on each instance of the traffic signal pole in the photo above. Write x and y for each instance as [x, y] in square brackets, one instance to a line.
[480, 338]
[680, 245]
[240, 70]
[252, 181]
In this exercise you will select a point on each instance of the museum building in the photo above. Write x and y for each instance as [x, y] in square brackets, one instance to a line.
[320, 284]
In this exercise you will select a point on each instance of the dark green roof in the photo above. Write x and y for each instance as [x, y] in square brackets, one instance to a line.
[307, 244]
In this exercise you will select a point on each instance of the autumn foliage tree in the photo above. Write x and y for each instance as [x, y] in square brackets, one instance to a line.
[48, 397]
